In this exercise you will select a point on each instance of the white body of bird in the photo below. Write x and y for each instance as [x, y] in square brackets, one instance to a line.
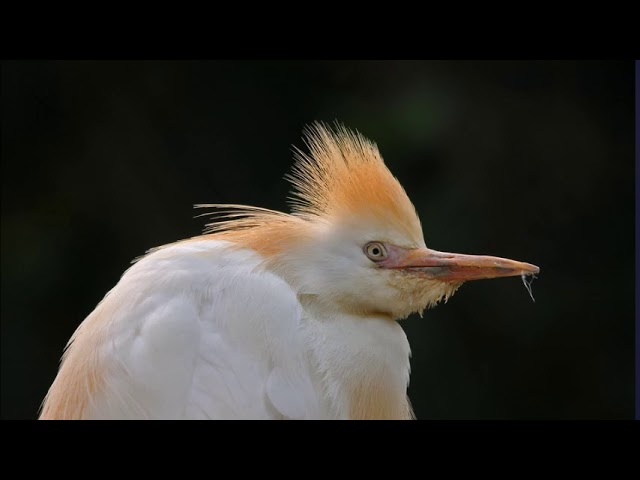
[271, 315]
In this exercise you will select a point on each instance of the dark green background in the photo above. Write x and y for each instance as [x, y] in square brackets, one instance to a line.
[526, 160]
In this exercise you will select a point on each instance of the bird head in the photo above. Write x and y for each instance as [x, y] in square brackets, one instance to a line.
[353, 241]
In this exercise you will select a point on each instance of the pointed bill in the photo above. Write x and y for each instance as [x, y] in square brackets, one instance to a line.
[447, 266]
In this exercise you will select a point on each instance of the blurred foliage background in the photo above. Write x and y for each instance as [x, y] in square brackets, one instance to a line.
[527, 160]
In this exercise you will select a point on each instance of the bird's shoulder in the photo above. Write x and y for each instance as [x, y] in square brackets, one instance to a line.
[199, 325]
[209, 272]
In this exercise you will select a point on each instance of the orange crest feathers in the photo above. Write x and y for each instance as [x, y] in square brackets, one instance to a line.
[344, 174]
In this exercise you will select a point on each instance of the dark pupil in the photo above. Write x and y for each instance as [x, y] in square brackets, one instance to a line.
[375, 251]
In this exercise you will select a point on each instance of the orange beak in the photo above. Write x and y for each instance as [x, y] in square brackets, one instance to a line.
[455, 266]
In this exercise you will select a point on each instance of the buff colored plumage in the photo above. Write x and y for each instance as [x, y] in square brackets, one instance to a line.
[270, 315]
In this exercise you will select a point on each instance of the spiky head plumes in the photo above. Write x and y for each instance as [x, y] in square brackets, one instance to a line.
[343, 197]
[344, 177]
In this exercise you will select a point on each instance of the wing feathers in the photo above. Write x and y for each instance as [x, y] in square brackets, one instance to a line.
[208, 334]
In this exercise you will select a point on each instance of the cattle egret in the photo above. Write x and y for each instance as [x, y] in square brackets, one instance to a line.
[269, 315]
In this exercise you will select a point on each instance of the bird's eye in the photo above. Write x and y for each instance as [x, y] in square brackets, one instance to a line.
[375, 251]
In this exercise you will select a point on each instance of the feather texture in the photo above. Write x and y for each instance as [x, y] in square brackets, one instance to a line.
[194, 331]
[259, 317]
[199, 330]
[344, 175]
